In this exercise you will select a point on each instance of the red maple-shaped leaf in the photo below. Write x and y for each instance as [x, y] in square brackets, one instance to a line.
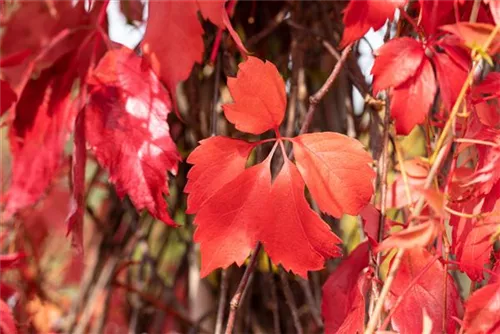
[482, 310]
[414, 236]
[451, 76]
[236, 207]
[343, 302]
[264, 108]
[361, 15]
[127, 131]
[327, 161]
[424, 292]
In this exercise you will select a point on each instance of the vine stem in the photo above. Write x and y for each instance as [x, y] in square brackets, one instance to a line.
[238, 296]
[316, 98]
[437, 157]
[372, 323]
[461, 95]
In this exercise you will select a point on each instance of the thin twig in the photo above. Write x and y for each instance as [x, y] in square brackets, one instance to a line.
[222, 302]
[316, 98]
[238, 296]
[372, 323]
[313, 309]
[275, 23]
[274, 299]
[290, 301]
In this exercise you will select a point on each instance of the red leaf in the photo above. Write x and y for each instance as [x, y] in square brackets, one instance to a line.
[277, 215]
[8, 96]
[361, 15]
[435, 13]
[227, 222]
[7, 322]
[343, 304]
[495, 9]
[412, 100]
[427, 293]
[327, 161]
[414, 236]
[212, 10]
[397, 61]
[127, 130]
[259, 97]
[76, 209]
[239, 207]
[482, 310]
[474, 34]
[416, 171]
[371, 222]
[173, 40]
[43, 118]
[217, 161]
[294, 234]
[10, 261]
[451, 77]
[471, 243]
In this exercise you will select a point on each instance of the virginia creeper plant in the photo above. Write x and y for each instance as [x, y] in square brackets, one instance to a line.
[243, 168]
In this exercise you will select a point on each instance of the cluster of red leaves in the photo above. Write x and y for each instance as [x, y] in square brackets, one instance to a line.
[412, 71]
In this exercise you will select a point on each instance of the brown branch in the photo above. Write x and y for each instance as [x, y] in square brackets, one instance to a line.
[238, 296]
[316, 98]
[311, 302]
[275, 23]
[222, 302]
[274, 299]
[290, 301]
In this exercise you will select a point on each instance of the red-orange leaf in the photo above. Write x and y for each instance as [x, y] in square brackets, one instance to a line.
[336, 170]
[412, 100]
[249, 209]
[474, 34]
[361, 15]
[427, 293]
[259, 97]
[343, 302]
[397, 61]
[127, 130]
[414, 236]
[217, 161]
[173, 54]
[482, 310]
[7, 322]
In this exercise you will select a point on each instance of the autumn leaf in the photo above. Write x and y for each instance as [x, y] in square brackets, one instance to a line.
[412, 100]
[343, 301]
[361, 15]
[428, 288]
[264, 108]
[127, 131]
[326, 162]
[12, 260]
[413, 236]
[474, 35]
[44, 116]
[236, 207]
[396, 61]
[173, 55]
[482, 310]
[7, 322]
[216, 162]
